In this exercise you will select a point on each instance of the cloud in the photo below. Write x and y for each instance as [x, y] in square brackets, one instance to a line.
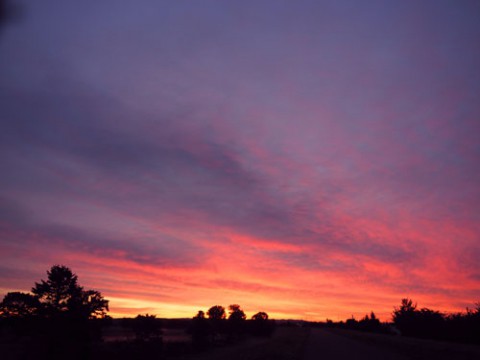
[241, 150]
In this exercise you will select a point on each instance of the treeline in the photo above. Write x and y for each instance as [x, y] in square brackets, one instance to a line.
[409, 320]
[432, 324]
[60, 319]
[215, 327]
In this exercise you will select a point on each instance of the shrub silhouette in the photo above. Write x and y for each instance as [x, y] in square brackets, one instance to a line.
[19, 305]
[260, 316]
[19, 313]
[351, 323]
[419, 323]
[427, 323]
[369, 323]
[260, 325]
[464, 326]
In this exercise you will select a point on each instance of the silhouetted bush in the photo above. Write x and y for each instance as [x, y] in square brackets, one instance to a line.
[370, 323]
[427, 323]
[351, 323]
[423, 323]
[464, 327]
[261, 325]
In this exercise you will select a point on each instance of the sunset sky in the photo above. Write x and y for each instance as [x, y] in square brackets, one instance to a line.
[311, 159]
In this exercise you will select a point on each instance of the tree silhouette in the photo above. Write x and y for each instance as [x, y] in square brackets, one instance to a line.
[200, 330]
[260, 316]
[19, 305]
[61, 293]
[236, 313]
[216, 312]
[19, 312]
[216, 320]
[58, 315]
[465, 326]
[261, 325]
[236, 321]
[429, 323]
[369, 323]
[422, 323]
[200, 315]
[404, 317]
[92, 304]
[406, 307]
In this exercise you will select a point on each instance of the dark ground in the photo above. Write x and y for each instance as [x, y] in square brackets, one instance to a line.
[323, 344]
[289, 343]
[343, 344]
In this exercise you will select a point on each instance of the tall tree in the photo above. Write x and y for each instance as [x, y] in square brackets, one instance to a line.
[405, 317]
[407, 307]
[61, 293]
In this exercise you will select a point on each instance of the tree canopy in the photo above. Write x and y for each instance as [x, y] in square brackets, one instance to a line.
[216, 312]
[60, 291]
[59, 294]
[19, 305]
[236, 313]
[260, 316]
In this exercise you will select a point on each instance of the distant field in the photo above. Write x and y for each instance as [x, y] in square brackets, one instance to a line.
[119, 333]
[287, 343]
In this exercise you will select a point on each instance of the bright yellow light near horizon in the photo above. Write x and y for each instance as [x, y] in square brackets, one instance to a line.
[127, 307]
[134, 307]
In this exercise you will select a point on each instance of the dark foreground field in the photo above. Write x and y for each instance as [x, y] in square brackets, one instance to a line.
[324, 344]
[288, 343]
[344, 344]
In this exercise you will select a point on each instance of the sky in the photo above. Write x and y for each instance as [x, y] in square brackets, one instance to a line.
[310, 159]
